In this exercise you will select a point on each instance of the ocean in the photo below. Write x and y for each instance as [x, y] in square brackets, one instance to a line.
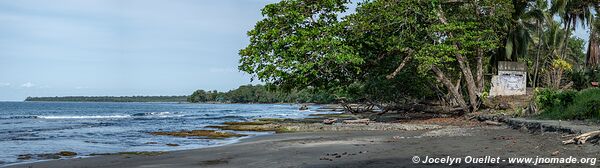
[100, 127]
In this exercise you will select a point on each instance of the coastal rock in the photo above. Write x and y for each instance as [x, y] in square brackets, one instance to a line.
[503, 106]
[203, 133]
[24, 157]
[46, 156]
[170, 144]
[67, 153]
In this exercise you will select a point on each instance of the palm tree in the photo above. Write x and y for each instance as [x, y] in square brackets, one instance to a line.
[519, 37]
[541, 16]
[571, 13]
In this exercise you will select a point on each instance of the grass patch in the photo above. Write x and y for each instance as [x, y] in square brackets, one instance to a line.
[204, 133]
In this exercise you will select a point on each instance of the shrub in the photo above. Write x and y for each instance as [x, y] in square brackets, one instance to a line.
[551, 98]
[568, 104]
[586, 105]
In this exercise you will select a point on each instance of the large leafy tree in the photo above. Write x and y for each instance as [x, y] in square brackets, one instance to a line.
[298, 44]
[385, 45]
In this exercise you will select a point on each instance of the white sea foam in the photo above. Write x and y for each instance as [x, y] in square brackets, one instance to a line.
[84, 117]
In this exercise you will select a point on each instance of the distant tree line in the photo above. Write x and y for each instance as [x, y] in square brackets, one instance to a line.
[243, 94]
[111, 99]
[262, 94]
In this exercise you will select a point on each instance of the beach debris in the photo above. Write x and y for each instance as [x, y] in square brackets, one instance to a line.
[489, 122]
[325, 158]
[504, 138]
[329, 121]
[358, 121]
[592, 137]
[170, 144]
[67, 153]
[216, 161]
[555, 153]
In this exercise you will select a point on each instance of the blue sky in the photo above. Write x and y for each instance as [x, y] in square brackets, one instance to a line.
[124, 47]
[117, 47]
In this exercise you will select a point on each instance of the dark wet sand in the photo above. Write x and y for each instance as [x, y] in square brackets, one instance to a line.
[355, 149]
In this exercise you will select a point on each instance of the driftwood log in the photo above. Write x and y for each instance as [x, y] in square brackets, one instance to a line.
[359, 121]
[489, 122]
[329, 121]
[593, 137]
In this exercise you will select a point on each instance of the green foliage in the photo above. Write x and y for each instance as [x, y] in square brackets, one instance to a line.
[298, 45]
[262, 94]
[569, 104]
[304, 44]
[551, 98]
[580, 79]
[586, 105]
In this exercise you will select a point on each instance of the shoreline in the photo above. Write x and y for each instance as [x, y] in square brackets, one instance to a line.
[233, 141]
[374, 148]
[35, 157]
[23, 151]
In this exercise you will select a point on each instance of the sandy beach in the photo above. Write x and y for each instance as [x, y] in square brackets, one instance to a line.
[395, 148]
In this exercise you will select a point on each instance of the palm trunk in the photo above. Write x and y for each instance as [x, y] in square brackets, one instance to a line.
[537, 57]
[566, 40]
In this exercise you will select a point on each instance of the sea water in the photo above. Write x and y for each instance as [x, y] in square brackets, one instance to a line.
[99, 127]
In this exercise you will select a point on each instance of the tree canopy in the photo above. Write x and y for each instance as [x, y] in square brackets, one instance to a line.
[397, 47]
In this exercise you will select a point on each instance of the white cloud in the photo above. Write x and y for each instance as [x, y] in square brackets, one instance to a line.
[28, 85]
[4, 84]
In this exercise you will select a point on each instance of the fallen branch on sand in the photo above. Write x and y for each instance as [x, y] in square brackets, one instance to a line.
[592, 137]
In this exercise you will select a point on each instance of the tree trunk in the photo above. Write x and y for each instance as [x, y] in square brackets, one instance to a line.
[566, 40]
[451, 88]
[465, 68]
[480, 79]
[537, 57]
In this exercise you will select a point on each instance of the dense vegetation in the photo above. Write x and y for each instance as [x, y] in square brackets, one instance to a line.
[391, 52]
[569, 104]
[261, 94]
[111, 99]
